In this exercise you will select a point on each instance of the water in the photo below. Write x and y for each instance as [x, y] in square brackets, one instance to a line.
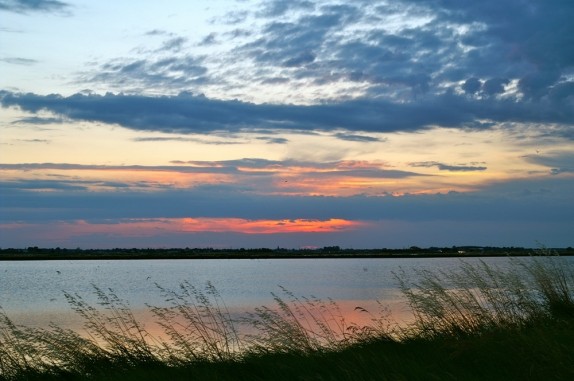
[32, 292]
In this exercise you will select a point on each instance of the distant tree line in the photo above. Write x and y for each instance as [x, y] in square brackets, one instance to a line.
[34, 252]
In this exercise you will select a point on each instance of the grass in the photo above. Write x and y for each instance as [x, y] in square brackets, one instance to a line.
[478, 322]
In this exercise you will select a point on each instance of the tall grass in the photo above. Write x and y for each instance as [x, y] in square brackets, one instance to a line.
[198, 324]
[479, 297]
[306, 325]
[476, 300]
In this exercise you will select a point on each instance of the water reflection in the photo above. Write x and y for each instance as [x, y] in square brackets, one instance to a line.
[32, 292]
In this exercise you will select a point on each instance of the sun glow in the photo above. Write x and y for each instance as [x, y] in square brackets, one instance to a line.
[150, 227]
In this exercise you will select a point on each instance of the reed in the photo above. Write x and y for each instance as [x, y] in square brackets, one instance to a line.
[477, 322]
[478, 297]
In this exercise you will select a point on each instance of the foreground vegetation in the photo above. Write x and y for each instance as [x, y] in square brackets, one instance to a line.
[479, 322]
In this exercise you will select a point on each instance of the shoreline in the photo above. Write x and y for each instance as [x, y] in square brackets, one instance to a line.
[36, 254]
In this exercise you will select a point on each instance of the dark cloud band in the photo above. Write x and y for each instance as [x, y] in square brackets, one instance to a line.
[188, 113]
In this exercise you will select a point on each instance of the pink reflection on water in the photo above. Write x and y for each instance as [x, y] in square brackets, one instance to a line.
[341, 317]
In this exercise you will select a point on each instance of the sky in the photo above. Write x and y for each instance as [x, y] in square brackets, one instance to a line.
[292, 124]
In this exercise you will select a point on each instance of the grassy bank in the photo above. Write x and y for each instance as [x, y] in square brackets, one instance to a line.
[479, 322]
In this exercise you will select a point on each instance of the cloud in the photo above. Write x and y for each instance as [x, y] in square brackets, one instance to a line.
[365, 67]
[403, 52]
[533, 200]
[185, 139]
[471, 85]
[558, 161]
[162, 139]
[357, 138]
[248, 167]
[271, 140]
[448, 167]
[152, 72]
[174, 44]
[19, 61]
[38, 120]
[495, 86]
[275, 8]
[300, 60]
[34, 140]
[210, 39]
[188, 113]
[28, 6]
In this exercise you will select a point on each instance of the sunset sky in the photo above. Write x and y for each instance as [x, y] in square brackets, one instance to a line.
[229, 124]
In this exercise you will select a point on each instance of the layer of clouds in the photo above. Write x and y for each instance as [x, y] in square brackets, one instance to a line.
[189, 113]
[558, 161]
[366, 66]
[534, 201]
[398, 51]
[250, 167]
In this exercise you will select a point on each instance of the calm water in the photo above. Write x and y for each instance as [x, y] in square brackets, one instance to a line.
[31, 292]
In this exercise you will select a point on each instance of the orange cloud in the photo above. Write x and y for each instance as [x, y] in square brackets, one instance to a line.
[267, 226]
[152, 227]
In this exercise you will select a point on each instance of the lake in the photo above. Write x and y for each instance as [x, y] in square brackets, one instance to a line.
[32, 292]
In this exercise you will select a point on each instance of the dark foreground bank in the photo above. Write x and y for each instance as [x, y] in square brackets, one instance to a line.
[477, 323]
[542, 351]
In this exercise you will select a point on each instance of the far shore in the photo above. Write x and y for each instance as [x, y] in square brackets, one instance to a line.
[36, 254]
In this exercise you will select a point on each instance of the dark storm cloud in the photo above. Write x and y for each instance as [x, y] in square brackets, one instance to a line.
[28, 6]
[187, 113]
[449, 167]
